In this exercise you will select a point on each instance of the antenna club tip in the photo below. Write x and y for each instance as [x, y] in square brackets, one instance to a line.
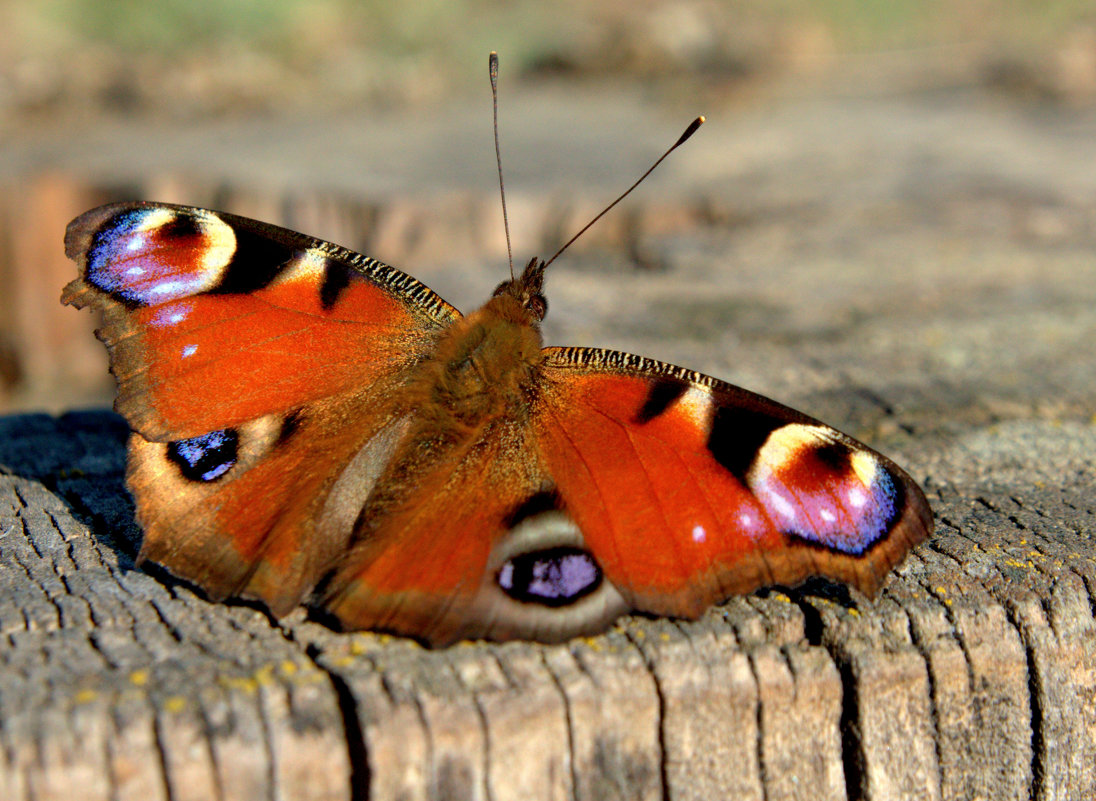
[701, 120]
[688, 132]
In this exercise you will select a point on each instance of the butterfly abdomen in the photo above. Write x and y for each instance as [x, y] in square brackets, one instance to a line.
[462, 400]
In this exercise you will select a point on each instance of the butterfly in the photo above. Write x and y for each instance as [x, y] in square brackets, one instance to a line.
[311, 424]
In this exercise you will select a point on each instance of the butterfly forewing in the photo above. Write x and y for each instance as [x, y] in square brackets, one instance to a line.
[212, 320]
[688, 490]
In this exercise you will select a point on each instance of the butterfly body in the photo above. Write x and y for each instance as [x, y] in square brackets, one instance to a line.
[310, 423]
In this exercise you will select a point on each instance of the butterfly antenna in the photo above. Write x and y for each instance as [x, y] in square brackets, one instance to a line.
[681, 140]
[493, 69]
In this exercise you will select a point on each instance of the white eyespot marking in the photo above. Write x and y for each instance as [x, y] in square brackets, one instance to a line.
[751, 525]
[306, 266]
[786, 443]
[857, 498]
[827, 515]
[172, 289]
[189, 350]
[783, 508]
[865, 466]
[170, 314]
[151, 219]
[699, 534]
[696, 404]
[220, 247]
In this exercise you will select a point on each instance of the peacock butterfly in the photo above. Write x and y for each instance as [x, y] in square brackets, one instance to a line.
[312, 424]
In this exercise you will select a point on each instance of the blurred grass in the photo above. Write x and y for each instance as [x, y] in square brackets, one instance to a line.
[286, 28]
[258, 53]
[447, 26]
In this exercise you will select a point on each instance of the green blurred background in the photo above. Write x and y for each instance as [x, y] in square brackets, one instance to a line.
[195, 57]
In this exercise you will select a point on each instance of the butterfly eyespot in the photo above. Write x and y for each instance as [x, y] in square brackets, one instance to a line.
[154, 255]
[552, 577]
[820, 489]
[207, 457]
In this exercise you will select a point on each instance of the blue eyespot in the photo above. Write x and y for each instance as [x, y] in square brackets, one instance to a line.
[207, 457]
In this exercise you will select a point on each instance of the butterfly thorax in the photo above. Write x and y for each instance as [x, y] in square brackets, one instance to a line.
[473, 392]
[482, 369]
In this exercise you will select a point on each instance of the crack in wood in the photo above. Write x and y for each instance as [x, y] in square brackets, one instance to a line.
[352, 728]
[852, 751]
[660, 722]
[1038, 746]
[570, 723]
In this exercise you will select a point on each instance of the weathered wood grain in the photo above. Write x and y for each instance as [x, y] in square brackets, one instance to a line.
[974, 675]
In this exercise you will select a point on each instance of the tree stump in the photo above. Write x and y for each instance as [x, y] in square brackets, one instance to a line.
[942, 307]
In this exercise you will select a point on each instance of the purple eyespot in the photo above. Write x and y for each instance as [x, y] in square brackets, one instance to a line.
[552, 577]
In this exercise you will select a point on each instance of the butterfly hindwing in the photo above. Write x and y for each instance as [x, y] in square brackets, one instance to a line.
[480, 545]
[688, 489]
[263, 510]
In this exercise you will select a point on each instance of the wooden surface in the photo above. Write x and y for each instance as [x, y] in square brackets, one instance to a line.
[927, 287]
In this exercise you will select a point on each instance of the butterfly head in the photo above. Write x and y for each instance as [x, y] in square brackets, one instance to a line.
[526, 289]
